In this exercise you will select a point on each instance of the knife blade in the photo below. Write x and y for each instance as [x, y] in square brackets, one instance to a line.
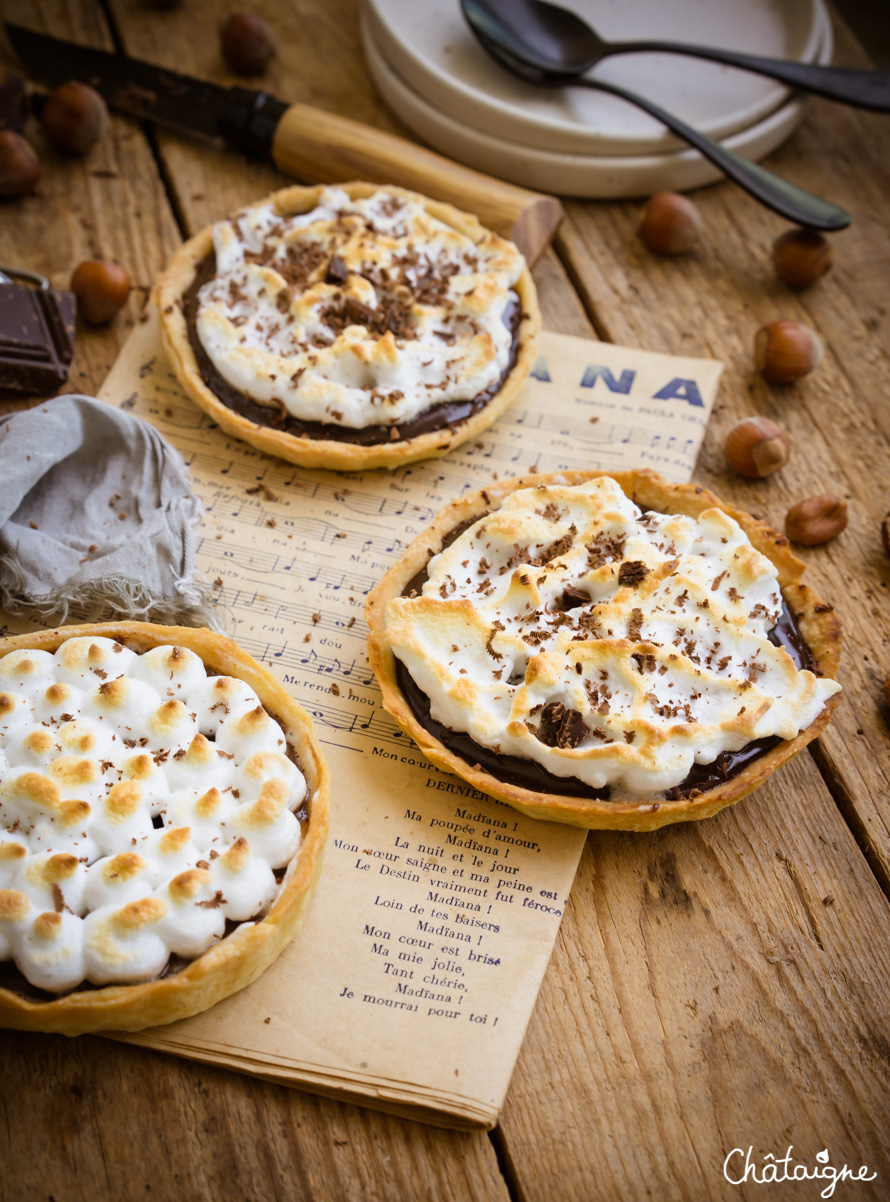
[153, 93]
[312, 145]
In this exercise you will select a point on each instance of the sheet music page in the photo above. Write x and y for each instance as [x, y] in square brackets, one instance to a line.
[411, 984]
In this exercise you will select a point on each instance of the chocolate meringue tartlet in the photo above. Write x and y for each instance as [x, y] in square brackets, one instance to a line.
[607, 650]
[164, 807]
[350, 326]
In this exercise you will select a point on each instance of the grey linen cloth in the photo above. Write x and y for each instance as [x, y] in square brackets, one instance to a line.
[96, 512]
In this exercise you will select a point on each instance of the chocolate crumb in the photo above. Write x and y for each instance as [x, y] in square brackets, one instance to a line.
[561, 727]
[572, 597]
[337, 272]
[635, 624]
[632, 572]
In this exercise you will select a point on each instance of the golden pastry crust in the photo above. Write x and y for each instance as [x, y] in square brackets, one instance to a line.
[816, 620]
[248, 951]
[175, 282]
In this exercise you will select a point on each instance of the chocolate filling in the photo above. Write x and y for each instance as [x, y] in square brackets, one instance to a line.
[528, 774]
[437, 417]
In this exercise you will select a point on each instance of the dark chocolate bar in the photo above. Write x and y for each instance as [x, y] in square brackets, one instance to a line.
[36, 337]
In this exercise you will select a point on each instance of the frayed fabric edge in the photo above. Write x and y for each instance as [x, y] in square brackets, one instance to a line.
[126, 598]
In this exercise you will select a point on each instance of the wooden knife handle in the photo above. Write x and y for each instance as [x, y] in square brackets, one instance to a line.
[321, 147]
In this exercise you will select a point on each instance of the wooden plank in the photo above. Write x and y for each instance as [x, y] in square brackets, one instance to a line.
[595, 1103]
[711, 302]
[715, 985]
[87, 1119]
[109, 205]
[319, 61]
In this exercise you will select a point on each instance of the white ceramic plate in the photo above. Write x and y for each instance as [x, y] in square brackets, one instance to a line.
[601, 176]
[430, 47]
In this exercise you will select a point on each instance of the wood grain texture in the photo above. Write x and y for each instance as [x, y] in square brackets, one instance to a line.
[320, 138]
[109, 205]
[711, 302]
[315, 146]
[99, 1119]
[713, 986]
[83, 1119]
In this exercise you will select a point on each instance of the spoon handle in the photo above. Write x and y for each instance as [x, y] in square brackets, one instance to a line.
[864, 89]
[776, 193]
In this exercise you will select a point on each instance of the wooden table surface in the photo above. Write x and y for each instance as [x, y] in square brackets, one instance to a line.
[715, 985]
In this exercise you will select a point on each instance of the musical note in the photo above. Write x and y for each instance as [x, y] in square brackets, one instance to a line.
[291, 555]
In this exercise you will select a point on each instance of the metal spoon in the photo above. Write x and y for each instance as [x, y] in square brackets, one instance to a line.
[778, 194]
[564, 44]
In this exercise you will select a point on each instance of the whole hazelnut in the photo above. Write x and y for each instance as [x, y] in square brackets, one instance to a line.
[816, 520]
[671, 224]
[801, 257]
[756, 447]
[19, 165]
[101, 290]
[247, 44]
[785, 351]
[74, 118]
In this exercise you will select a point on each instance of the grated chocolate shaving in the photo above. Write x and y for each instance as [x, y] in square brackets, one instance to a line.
[632, 572]
[561, 727]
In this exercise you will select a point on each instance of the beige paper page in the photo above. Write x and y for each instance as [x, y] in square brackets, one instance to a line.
[411, 984]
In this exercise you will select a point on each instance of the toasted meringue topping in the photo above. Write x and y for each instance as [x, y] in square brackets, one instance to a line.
[359, 313]
[116, 792]
[607, 644]
[26, 672]
[87, 661]
[51, 952]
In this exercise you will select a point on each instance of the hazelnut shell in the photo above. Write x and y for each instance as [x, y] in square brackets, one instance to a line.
[74, 118]
[801, 257]
[101, 290]
[19, 165]
[785, 351]
[247, 44]
[671, 224]
[816, 520]
[756, 447]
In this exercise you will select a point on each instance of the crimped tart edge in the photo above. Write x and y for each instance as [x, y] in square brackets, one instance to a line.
[818, 624]
[247, 952]
[176, 280]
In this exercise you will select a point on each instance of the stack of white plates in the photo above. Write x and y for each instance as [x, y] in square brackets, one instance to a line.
[436, 77]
